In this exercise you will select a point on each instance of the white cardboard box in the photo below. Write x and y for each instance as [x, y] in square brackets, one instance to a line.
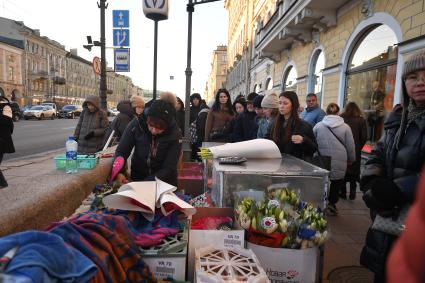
[216, 238]
[167, 267]
[287, 265]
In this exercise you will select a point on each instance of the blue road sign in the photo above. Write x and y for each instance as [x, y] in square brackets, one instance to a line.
[121, 18]
[121, 37]
[122, 60]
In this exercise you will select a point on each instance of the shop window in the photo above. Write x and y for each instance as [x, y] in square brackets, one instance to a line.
[316, 74]
[371, 77]
[290, 79]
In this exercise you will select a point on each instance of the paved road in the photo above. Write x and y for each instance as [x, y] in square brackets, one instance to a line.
[34, 136]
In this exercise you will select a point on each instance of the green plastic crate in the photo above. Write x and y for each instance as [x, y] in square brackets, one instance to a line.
[84, 161]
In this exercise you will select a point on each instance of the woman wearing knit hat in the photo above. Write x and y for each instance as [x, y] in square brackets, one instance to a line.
[270, 105]
[391, 174]
[156, 143]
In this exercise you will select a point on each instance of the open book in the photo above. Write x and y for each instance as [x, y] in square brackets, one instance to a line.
[146, 196]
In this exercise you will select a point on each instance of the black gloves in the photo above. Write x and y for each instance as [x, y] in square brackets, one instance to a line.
[382, 194]
[89, 135]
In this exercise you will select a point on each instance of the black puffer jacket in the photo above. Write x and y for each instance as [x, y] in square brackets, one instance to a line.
[6, 129]
[400, 163]
[245, 128]
[123, 118]
[144, 166]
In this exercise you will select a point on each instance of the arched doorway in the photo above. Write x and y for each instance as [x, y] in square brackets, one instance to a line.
[371, 75]
[290, 79]
[315, 83]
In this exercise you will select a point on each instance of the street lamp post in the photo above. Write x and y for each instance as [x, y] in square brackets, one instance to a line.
[103, 6]
[190, 9]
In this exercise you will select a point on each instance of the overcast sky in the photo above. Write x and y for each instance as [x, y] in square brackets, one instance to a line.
[68, 22]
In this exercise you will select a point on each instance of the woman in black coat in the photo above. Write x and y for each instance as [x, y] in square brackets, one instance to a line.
[353, 117]
[6, 130]
[180, 114]
[291, 134]
[156, 143]
[391, 174]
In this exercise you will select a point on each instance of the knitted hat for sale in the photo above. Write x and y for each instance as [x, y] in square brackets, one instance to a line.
[161, 113]
[414, 63]
[271, 100]
[257, 101]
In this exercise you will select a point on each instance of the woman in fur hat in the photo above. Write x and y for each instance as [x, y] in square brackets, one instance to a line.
[391, 174]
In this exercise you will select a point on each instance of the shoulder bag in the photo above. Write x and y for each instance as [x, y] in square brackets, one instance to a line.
[391, 225]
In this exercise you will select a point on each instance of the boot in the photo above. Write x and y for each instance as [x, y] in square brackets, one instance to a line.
[3, 183]
[353, 186]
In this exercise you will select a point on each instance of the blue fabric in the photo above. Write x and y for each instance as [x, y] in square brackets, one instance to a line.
[45, 257]
[313, 115]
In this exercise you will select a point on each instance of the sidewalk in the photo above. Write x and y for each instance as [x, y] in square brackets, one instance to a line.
[348, 233]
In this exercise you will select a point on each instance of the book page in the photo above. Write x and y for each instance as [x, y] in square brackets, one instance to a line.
[162, 188]
[170, 202]
[135, 196]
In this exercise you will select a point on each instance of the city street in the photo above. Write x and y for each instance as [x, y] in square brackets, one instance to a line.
[34, 136]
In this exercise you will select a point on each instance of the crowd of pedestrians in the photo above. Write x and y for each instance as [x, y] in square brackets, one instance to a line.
[388, 181]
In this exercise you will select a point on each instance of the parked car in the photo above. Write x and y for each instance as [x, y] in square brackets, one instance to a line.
[39, 112]
[53, 105]
[16, 111]
[113, 112]
[70, 111]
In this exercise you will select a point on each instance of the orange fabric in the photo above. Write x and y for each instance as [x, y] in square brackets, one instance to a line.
[406, 262]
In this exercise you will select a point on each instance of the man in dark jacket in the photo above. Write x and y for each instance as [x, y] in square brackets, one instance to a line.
[91, 127]
[6, 130]
[120, 122]
[156, 143]
[391, 174]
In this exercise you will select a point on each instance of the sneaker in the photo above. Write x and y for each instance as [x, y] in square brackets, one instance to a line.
[331, 210]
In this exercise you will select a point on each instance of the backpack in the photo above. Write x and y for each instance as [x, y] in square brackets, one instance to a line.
[193, 128]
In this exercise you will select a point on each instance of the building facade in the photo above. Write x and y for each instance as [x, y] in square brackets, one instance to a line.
[11, 85]
[48, 72]
[342, 50]
[217, 76]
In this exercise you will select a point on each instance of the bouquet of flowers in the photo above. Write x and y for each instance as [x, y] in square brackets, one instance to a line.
[282, 220]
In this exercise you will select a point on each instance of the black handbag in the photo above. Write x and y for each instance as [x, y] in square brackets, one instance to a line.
[322, 161]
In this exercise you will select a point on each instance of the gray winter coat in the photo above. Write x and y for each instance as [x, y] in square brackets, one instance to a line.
[97, 122]
[330, 146]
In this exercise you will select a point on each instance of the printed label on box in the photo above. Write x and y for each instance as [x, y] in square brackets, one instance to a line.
[167, 267]
[287, 265]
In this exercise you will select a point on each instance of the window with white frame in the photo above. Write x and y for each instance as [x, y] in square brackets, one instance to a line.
[290, 79]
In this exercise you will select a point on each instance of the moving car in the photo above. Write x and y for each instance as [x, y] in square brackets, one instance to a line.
[39, 112]
[70, 111]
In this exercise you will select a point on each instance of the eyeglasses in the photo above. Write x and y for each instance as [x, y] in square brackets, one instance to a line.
[414, 78]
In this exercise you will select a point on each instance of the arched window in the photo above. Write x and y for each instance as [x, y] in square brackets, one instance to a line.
[269, 83]
[316, 74]
[290, 79]
[370, 76]
[256, 88]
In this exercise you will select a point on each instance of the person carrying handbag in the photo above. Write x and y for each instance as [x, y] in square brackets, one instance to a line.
[334, 138]
[391, 173]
